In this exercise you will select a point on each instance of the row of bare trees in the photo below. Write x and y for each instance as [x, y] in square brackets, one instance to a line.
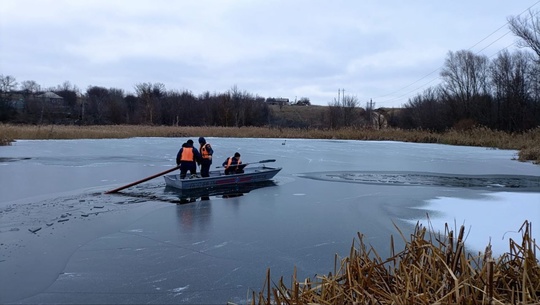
[501, 93]
[152, 104]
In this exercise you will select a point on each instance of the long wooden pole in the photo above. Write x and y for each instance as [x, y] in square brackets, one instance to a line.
[244, 164]
[142, 180]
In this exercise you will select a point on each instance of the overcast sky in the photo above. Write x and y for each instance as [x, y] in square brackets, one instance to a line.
[373, 49]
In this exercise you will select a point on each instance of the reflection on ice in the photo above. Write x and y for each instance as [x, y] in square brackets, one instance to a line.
[428, 179]
[174, 195]
[187, 196]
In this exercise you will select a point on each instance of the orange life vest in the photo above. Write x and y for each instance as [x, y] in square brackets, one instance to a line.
[229, 163]
[204, 152]
[187, 154]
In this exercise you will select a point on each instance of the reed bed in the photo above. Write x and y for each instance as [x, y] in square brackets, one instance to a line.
[528, 142]
[4, 141]
[432, 269]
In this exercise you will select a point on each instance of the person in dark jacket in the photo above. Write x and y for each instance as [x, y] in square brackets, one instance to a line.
[206, 157]
[187, 158]
[233, 165]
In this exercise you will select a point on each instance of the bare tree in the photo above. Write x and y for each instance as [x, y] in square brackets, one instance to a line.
[509, 74]
[534, 80]
[465, 78]
[350, 105]
[342, 112]
[528, 30]
[303, 101]
[425, 111]
[237, 98]
[67, 86]
[30, 87]
[70, 93]
[334, 114]
[180, 108]
[118, 111]
[150, 96]
[133, 113]
[8, 83]
[97, 100]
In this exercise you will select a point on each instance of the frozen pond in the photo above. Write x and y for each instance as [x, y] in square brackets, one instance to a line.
[62, 240]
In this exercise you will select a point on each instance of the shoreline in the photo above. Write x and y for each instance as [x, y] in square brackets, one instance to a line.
[527, 143]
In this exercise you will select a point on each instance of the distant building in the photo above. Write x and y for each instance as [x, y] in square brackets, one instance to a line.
[18, 103]
[53, 102]
[277, 101]
[303, 102]
[14, 99]
[51, 97]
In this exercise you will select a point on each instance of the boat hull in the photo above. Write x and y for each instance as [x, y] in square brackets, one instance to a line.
[226, 191]
[218, 178]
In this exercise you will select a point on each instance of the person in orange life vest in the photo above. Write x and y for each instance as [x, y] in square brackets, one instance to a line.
[232, 165]
[187, 158]
[206, 157]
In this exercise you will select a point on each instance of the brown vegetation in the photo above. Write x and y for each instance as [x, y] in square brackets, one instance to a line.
[527, 142]
[432, 269]
[5, 141]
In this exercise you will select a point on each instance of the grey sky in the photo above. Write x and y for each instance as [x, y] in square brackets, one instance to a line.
[384, 50]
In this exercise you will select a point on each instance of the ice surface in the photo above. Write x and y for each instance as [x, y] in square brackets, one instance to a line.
[495, 218]
[62, 240]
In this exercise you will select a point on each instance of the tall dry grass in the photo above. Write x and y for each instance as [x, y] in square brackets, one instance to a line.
[432, 269]
[527, 142]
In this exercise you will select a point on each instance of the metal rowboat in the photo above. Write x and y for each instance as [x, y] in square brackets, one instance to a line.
[218, 178]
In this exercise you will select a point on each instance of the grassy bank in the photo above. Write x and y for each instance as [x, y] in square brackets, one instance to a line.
[527, 143]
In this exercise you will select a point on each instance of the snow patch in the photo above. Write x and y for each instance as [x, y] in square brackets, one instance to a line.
[498, 217]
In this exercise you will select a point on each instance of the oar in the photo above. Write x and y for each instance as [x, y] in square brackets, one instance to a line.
[142, 180]
[244, 164]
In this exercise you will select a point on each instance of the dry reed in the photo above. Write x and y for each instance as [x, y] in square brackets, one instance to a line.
[432, 269]
[527, 142]
[4, 141]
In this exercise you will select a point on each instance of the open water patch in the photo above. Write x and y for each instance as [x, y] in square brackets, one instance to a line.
[515, 182]
[8, 159]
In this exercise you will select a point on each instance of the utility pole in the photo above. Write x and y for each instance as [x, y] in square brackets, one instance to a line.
[342, 93]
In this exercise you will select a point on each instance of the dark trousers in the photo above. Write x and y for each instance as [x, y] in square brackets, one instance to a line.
[186, 166]
[205, 167]
[233, 170]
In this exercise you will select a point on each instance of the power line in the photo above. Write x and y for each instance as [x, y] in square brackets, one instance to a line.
[440, 67]
[495, 42]
[391, 93]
